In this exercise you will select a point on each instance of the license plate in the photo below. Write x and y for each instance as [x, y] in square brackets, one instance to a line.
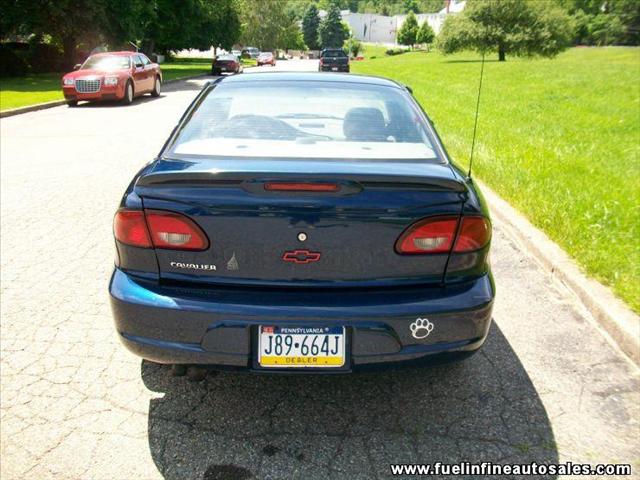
[335, 69]
[301, 347]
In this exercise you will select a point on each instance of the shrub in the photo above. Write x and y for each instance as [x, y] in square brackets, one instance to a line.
[353, 46]
[395, 51]
[12, 63]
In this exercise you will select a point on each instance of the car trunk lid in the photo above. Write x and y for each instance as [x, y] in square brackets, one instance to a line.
[308, 223]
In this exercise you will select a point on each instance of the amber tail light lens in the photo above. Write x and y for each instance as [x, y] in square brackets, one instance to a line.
[158, 229]
[438, 234]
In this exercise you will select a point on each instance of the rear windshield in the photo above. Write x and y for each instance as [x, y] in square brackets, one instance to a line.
[106, 62]
[226, 57]
[296, 119]
[333, 53]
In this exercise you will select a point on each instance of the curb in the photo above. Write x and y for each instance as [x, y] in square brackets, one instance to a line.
[30, 108]
[56, 103]
[617, 319]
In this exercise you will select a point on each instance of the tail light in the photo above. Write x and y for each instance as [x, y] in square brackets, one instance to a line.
[301, 187]
[475, 233]
[130, 228]
[438, 235]
[158, 229]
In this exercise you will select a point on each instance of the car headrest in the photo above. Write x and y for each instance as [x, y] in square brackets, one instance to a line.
[364, 124]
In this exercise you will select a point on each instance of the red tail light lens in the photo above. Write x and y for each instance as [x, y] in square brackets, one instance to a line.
[161, 229]
[130, 228]
[175, 231]
[301, 187]
[437, 234]
[432, 235]
[475, 233]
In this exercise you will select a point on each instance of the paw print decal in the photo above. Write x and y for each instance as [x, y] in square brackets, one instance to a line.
[421, 328]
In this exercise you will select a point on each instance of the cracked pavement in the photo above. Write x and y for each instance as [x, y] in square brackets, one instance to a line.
[548, 386]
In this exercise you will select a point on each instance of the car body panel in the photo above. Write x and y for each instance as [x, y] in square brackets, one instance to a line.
[142, 78]
[266, 58]
[226, 64]
[172, 314]
[217, 327]
[333, 60]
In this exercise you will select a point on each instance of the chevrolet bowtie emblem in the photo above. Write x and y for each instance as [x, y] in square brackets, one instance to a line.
[301, 256]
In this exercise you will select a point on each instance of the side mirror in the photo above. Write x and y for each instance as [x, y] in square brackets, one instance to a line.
[77, 66]
[139, 65]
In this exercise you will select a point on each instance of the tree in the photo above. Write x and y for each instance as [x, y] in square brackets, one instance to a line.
[517, 27]
[408, 31]
[331, 32]
[191, 24]
[268, 26]
[310, 24]
[605, 29]
[604, 23]
[628, 11]
[411, 6]
[292, 37]
[426, 35]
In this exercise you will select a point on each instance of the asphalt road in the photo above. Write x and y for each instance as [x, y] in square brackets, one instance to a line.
[547, 387]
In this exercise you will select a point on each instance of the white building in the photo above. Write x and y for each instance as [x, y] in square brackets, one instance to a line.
[374, 28]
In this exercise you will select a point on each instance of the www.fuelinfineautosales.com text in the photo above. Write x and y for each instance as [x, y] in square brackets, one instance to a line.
[487, 468]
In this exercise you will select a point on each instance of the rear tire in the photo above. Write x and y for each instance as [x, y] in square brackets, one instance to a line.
[128, 94]
[157, 86]
[72, 103]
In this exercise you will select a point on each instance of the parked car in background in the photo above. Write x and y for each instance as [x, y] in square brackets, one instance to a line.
[302, 221]
[250, 52]
[237, 53]
[333, 60]
[266, 58]
[112, 76]
[227, 63]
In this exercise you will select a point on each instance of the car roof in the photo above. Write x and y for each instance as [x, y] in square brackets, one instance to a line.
[309, 77]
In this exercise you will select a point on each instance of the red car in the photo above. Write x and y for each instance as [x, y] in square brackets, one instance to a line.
[112, 76]
[226, 63]
[266, 58]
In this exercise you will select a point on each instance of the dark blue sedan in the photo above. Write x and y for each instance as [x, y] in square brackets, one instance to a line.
[302, 222]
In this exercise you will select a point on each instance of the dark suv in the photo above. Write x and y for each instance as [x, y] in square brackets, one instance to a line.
[333, 60]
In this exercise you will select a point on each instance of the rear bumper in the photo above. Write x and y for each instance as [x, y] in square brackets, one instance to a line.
[106, 92]
[330, 68]
[218, 327]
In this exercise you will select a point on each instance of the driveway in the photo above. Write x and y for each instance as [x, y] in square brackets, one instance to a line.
[547, 387]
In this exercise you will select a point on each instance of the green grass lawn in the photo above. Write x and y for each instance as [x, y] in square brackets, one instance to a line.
[23, 91]
[372, 50]
[559, 139]
[45, 87]
[175, 70]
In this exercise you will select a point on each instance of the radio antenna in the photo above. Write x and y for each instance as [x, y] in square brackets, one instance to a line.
[475, 123]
